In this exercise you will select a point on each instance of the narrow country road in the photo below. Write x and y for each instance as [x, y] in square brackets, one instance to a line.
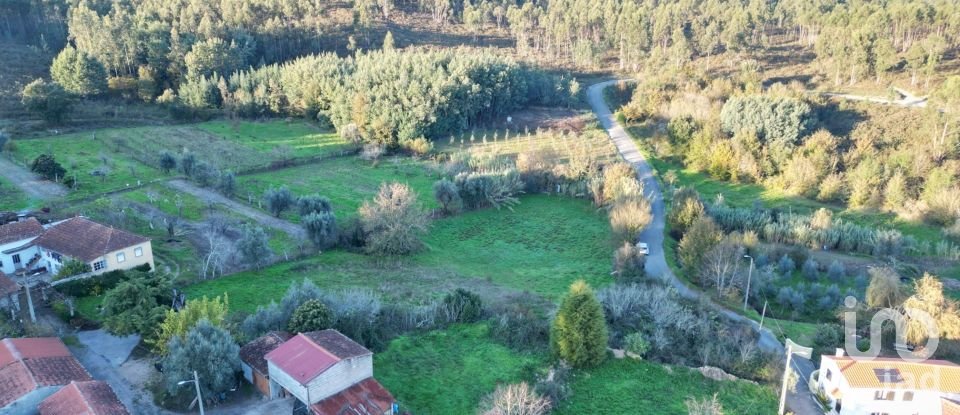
[907, 100]
[32, 185]
[654, 233]
[262, 218]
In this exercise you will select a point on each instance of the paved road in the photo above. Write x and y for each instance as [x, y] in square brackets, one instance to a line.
[32, 185]
[653, 235]
[260, 217]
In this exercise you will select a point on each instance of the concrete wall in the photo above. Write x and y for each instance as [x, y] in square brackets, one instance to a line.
[340, 376]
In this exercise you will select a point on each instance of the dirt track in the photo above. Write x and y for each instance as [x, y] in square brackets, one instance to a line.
[262, 218]
[33, 186]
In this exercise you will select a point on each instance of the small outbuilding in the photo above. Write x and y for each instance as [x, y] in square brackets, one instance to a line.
[254, 363]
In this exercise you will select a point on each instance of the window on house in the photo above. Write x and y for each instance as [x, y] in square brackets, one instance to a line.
[56, 256]
[99, 265]
[138, 251]
[16, 258]
[883, 396]
[908, 396]
[829, 374]
[121, 257]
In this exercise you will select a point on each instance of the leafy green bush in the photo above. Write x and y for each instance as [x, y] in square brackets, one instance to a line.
[637, 344]
[312, 315]
[462, 306]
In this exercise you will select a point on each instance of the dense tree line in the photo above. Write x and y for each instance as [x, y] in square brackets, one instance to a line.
[384, 97]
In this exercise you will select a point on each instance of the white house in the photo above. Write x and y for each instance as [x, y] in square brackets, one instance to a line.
[16, 251]
[27, 246]
[329, 373]
[888, 386]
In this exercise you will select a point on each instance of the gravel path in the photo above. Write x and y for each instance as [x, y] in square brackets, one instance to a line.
[262, 218]
[656, 263]
[33, 186]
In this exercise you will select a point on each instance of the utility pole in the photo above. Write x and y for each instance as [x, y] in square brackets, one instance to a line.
[196, 383]
[33, 315]
[763, 314]
[746, 293]
[791, 349]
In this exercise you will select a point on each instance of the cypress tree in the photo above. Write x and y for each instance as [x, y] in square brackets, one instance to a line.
[579, 332]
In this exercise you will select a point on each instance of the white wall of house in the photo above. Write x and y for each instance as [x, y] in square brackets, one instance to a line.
[863, 401]
[126, 258]
[9, 267]
[338, 377]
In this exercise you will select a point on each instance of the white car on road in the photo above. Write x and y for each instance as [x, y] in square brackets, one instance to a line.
[643, 248]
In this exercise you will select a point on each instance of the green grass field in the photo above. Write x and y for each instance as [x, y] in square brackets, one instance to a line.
[638, 387]
[83, 153]
[131, 154]
[304, 140]
[11, 198]
[542, 246]
[347, 181]
[448, 371]
[592, 143]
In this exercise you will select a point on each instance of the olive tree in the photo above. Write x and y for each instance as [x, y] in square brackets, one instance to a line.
[321, 228]
[252, 245]
[207, 349]
[278, 200]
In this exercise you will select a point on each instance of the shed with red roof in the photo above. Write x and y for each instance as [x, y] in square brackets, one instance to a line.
[328, 372]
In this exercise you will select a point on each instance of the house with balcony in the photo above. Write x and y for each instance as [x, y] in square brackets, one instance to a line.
[889, 386]
[28, 247]
[328, 374]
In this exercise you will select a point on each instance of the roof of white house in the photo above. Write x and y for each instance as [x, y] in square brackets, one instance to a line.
[891, 373]
[86, 240]
[18, 231]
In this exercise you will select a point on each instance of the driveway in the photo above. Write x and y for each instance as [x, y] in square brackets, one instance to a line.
[32, 185]
[102, 355]
[262, 218]
[653, 235]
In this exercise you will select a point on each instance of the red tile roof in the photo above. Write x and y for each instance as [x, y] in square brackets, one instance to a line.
[18, 231]
[255, 352]
[28, 363]
[366, 397]
[301, 358]
[936, 375]
[7, 286]
[949, 407]
[83, 398]
[86, 240]
[307, 355]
